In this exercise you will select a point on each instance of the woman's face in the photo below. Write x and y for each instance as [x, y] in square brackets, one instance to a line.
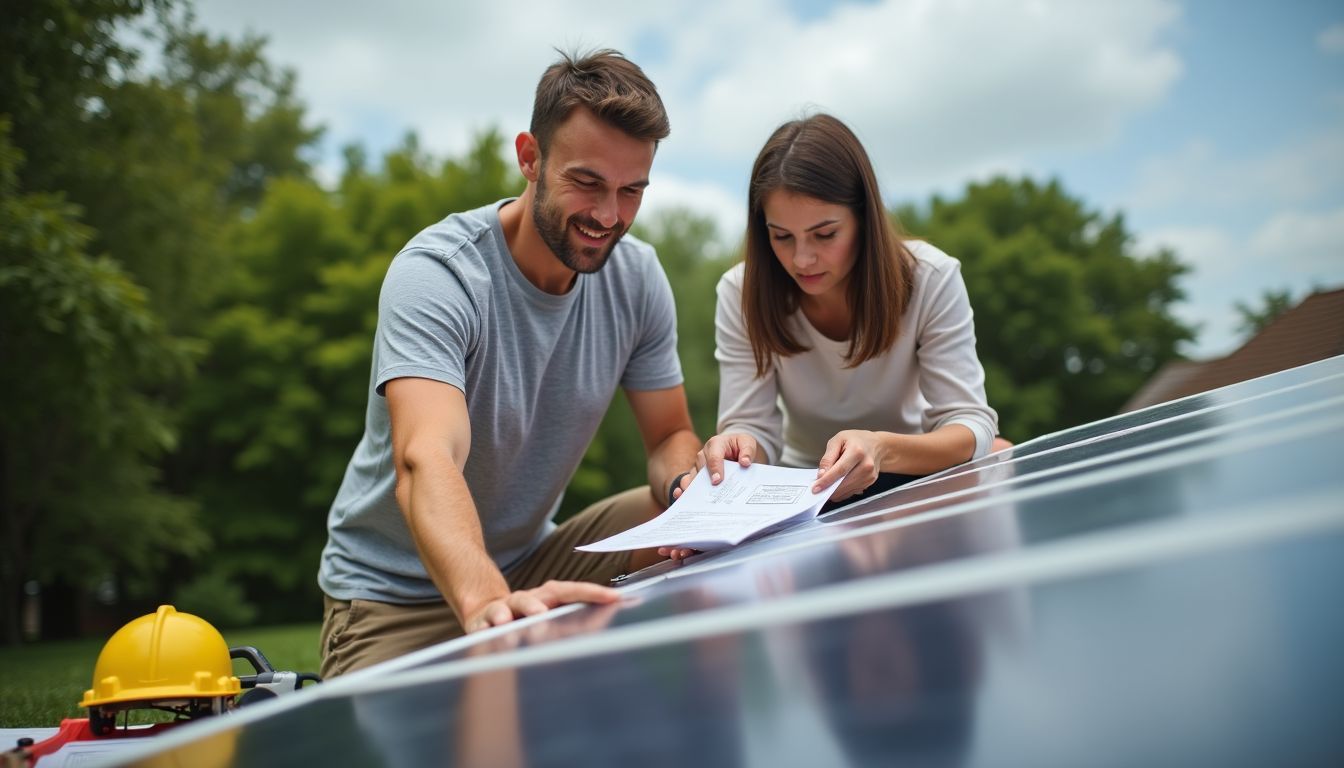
[815, 242]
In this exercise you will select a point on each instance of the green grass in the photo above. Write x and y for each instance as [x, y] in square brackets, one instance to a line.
[43, 683]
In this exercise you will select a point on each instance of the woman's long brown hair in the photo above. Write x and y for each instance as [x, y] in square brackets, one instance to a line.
[820, 157]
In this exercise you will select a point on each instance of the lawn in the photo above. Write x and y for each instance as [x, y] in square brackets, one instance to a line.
[43, 683]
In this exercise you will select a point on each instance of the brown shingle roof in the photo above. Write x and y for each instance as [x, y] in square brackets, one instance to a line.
[1311, 331]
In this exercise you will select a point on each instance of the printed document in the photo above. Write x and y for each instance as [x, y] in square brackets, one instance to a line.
[749, 502]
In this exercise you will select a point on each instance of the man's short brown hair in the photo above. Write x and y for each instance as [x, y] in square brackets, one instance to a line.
[614, 88]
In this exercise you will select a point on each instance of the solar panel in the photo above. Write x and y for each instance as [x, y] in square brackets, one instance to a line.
[1154, 588]
[1248, 390]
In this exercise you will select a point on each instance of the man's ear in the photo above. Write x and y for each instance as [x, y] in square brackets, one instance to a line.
[529, 156]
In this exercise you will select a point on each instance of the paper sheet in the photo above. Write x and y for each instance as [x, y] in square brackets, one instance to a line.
[90, 753]
[747, 502]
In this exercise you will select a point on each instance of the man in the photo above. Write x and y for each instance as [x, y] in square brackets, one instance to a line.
[502, 335]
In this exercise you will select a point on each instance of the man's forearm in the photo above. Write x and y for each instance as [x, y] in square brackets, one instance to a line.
[446, 529]
[670, 458]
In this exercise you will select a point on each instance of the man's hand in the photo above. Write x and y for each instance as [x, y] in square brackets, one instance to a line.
[737, 447]
[531, 602]
[677, 553]
[854, 454]
[682, 483]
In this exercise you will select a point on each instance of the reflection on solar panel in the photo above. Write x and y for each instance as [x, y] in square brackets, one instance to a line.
[1161, 587]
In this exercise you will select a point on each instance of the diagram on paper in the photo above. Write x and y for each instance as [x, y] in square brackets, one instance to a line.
[776, 494]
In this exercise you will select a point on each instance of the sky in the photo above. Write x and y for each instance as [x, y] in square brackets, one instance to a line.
[1216, 127]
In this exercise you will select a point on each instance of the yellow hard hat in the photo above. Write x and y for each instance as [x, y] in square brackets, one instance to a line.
[160, 656]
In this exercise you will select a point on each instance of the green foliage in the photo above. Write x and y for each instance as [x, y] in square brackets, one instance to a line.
[693, 263]
[249, 123]
[159, 164]
[115, 234]
[1252, 319]
[1069, 320]
[216, 598]
[83, 356]
[279, 404]
[57, 58]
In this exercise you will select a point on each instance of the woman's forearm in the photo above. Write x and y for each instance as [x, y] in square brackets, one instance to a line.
[925, 454]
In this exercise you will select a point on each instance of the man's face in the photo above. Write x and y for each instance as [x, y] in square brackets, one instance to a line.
[589, 187]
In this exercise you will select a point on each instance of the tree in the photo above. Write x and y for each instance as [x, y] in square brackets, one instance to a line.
[1069, 319]
[1252, 320]
[150, 171]
[160, 163]
[57, 60]
[83, 356]
[279, 405]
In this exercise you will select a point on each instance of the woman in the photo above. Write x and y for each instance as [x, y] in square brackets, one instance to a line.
[840, 345]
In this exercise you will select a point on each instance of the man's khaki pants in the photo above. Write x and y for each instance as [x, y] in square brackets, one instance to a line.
[359, 633]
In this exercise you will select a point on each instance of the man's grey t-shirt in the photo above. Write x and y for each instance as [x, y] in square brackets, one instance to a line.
[538, 371]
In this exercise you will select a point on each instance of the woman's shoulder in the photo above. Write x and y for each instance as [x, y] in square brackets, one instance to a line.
[930, 257]
[733, 278]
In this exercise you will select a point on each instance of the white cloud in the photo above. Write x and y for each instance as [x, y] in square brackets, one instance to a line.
[1295, 250]
[1305, 246]
[445, 70]
[939, 91]
[1220, 276]
[1200, 175]
[1331, 39]
[728, 212]
[1203, 249]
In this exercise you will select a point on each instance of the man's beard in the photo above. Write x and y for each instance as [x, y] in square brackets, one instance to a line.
[554, 231]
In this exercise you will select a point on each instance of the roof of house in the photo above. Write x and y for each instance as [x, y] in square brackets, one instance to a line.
[1311, 331]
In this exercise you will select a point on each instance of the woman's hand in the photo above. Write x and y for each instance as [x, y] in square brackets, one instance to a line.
[854, 454]
[733, 446]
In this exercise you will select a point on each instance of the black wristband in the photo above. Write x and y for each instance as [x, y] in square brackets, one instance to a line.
[676, 481]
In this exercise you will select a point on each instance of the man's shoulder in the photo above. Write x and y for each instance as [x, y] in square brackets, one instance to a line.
[465, 233]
